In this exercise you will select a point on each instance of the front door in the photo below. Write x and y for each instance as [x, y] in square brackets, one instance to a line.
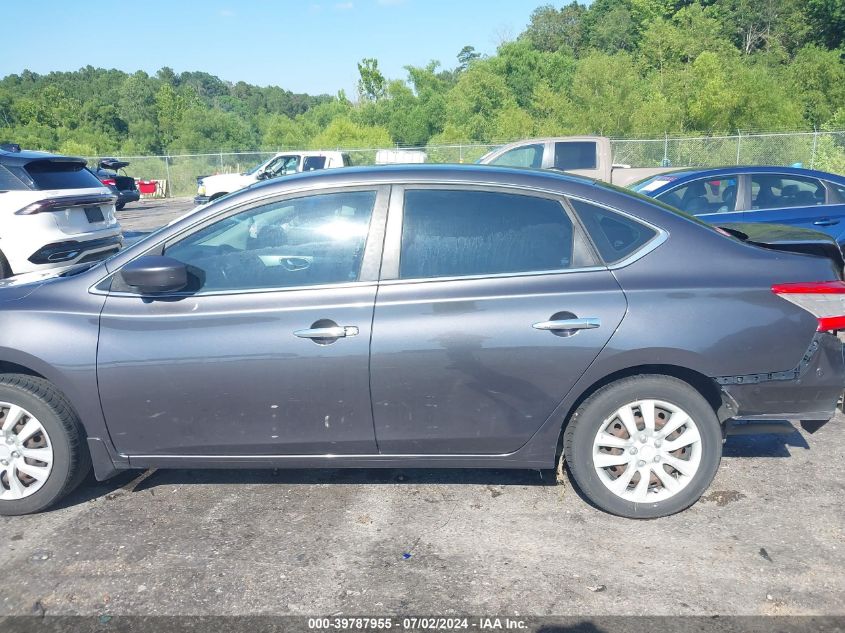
[494, 310]
[267, 352]
[713, 199]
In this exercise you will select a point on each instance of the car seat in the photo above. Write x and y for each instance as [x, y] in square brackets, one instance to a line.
[697, 205]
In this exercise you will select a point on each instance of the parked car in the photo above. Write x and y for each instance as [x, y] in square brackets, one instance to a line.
[780, 195]
[282, 164]
[123, 186]
[419, 316]
[589, 156]
[53, 212]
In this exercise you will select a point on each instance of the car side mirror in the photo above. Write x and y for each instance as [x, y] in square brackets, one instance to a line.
[153, 274]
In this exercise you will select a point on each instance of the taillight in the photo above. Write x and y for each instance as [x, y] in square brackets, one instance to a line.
[109, 182]
[825, 300]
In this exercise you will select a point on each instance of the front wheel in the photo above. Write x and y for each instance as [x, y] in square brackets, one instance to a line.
[644, 447]
[42, 454]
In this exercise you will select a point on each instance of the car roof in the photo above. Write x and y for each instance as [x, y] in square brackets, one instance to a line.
[428, 172]
[25, 156]
[680, 175]
[308, 152]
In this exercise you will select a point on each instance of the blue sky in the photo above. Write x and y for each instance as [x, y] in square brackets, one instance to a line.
[305, 46]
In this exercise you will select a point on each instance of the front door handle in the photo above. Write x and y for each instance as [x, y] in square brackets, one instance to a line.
[337, 331]
[826, 222]
[588, 323]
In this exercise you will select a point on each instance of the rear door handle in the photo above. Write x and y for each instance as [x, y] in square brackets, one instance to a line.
[826, 222]
[588, 323]
[338, 331]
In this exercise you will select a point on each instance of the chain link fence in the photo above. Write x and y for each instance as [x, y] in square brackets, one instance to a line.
[816, 150]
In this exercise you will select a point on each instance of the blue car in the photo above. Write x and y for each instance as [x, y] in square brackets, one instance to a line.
[778, 195]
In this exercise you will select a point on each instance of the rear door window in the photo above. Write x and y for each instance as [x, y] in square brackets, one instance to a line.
[312, 163]
[776, 191]
[576, 155]
[451, 233]
[615, 236]
[715, 194]
[48, 174]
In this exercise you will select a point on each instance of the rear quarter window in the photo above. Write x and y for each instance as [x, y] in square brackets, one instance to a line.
[615, 236]
[48, 174]
[576, 155]
[10, 182]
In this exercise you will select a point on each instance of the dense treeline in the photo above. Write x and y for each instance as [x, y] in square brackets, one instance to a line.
[617, 67]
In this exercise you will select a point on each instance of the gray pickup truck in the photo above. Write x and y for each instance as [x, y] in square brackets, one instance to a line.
[589, 156]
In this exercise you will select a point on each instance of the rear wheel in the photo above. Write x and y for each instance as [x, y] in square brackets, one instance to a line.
[5, 269]
[644, 447]
[42, 454]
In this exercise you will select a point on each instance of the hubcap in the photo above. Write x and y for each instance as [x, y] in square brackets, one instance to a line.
[26, 455]
[647, 451]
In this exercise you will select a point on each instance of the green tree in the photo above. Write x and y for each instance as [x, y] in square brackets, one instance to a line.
[466, 56]
[550, 29]
[342, 133]
[371, 84]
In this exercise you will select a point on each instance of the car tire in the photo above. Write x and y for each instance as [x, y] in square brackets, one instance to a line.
[38, 404]
[609, 464]
[5, 269]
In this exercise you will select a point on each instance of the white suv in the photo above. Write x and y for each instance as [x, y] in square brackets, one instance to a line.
[53, 212]
[211, 187]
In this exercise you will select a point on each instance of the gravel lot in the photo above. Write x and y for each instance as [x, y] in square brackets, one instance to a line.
[766, 539]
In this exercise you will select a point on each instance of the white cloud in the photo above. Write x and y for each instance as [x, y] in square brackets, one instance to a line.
[390, 3]
[344, 6]
[227, 13]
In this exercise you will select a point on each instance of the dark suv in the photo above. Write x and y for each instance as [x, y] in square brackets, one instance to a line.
[108, 171]
[425, 316]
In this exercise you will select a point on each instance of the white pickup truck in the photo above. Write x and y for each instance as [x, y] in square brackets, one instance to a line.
[589, 156]
[212, 187]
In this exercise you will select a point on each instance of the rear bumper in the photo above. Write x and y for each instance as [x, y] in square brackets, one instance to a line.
[127, 195]
[809, 392]
[75, 252]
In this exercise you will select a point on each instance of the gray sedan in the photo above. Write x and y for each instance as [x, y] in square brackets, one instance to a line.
[424, 316]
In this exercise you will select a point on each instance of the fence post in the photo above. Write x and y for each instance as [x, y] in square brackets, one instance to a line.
[738, 144]
[815, 145]
[221, 163]
[460, 153]
[169, 185]
[665, 162]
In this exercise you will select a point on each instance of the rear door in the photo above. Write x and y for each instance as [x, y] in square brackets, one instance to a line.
[795, 200]
[491, 306]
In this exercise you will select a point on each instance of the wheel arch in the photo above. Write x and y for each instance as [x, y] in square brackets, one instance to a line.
[707, 387]
[7, 367]
[19, 363]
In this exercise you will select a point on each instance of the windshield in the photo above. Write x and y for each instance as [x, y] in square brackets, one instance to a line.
[256, 168]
